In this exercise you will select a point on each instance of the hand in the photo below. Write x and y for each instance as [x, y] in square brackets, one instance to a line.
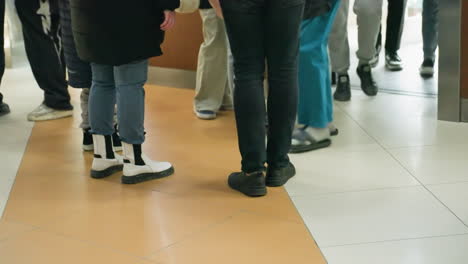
[169, 20]
[217, 6]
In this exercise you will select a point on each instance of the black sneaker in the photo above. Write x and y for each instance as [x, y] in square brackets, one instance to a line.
[368, 86]
[343, 89]
[88, 144]
[252, 185]
[393, 62]
[427, 68]
[277, 177]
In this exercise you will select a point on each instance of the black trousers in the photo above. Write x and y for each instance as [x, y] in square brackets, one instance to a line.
[259, 31]
[395, 25]
[41, 31]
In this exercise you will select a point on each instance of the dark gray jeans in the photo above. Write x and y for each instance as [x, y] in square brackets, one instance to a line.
[124, 85]
[259, 31]
[430, 28]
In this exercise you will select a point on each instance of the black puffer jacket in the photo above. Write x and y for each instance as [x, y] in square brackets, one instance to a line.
[116, 32]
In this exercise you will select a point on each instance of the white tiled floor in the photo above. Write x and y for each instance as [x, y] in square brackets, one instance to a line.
[392, 188]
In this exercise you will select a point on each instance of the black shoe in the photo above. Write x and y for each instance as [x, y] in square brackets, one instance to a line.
[333, 78]
[277, 177]
[343, 89]
[4, 109]
[88, 144]
[393, 62]
[116, 140]
[368, 86]
[427, 68]
[252, 185]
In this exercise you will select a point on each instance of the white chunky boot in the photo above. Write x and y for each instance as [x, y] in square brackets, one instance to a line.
[139, 168]
[105, 162]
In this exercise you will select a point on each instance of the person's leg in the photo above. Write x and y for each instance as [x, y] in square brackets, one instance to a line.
[369, 16]
[246, 26]
[102, 99]
[430, 28]
[338, 46]
[41, 32]
[338, 42]
[212, 66]
[129, 80]
[282, 45]
[315, 105]
[315, 111]
[101, 112]
[395, 25]
[4, 108]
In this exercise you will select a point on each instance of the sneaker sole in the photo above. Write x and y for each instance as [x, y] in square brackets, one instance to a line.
[393, 67]
[270, 182]
[342, 99]
[106, 173]
[55, 116]
[88, 147]
[252, 191]
[147, 176]
[426, 73]
[302, 149]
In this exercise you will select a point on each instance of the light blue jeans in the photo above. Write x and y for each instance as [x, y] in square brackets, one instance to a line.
[315, 98]
[430, 28]
[124, 85]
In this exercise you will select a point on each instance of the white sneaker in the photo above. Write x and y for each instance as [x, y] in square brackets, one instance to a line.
[43, 113]
[139, 168]
[106, 162]
[205, 114]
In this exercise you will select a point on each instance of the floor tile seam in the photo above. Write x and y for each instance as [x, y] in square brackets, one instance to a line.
[21, 163]
[356, 87]
[394, 240]
[279, 219]
[311, 234]
[426, 146]
[89, 243]
[427, 189]
[330, 194]
[196, 233]
[17, 236]
[445, 183]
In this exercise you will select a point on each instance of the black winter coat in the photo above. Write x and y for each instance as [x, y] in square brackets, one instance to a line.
[116, 32]
[315, 8]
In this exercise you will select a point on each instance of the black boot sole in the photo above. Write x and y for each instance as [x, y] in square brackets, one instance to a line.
[106, 173]
[252, 191]
[147, 176]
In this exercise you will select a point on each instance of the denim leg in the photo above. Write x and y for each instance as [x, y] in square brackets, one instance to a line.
[129, 80]
[282, 30]
[430, 28]
[245, 26]
[102, 100]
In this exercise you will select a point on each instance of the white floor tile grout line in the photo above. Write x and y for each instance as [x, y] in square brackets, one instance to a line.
[406, 169]
[394, 240]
